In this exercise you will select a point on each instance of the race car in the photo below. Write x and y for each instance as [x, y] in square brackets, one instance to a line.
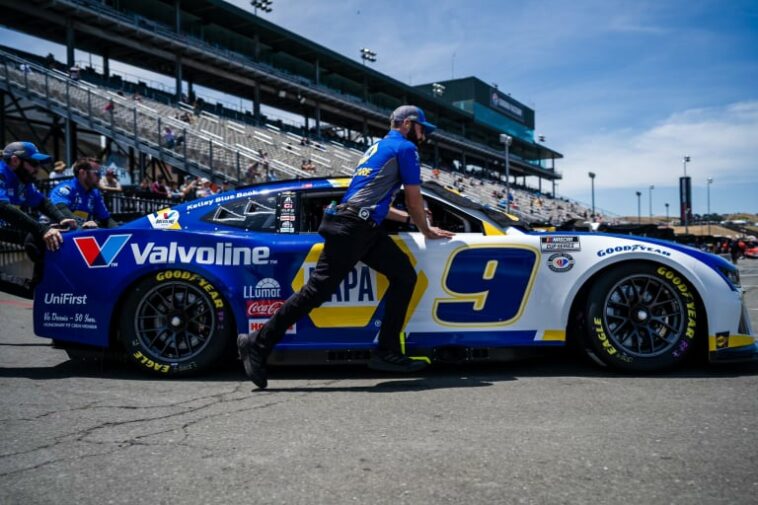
[172, 290]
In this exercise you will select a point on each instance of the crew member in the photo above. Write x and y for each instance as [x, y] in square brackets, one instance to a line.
[19, 164]
[352, 233]
[80, 199]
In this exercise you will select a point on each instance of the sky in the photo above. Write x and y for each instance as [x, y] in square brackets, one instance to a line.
[624, 89]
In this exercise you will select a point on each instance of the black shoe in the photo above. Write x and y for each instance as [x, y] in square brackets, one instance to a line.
[253, 359]
[388, 361]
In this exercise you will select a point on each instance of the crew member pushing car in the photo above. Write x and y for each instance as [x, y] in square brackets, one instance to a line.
[18, 192]
[352, 233]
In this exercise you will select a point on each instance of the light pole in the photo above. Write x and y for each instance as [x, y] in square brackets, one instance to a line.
[710, 181]
[263, 5]
[639, 202]
[438, 89]
[592, 183]
[651, 202]
[367, 55]
[507, 139]
[687, 203]
[667, 213]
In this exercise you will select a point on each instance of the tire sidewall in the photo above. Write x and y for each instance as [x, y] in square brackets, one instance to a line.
[596, 335]
[212, 352]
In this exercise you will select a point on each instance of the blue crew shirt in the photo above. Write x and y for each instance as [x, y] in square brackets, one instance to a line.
[386, 165]
[15, 192]
[85, 205]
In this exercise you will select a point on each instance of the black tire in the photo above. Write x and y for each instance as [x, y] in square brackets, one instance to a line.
[175, 322]
[641, 317]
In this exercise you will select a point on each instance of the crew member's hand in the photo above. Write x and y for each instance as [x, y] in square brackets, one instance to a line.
[435, 233]
[428, 215]
[88, 225]
[52, 239]
[68, 224]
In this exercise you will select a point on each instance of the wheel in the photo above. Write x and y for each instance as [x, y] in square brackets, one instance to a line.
[640, 317]
[175, 322]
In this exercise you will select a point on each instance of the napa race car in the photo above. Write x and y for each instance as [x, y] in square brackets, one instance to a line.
[172, 289]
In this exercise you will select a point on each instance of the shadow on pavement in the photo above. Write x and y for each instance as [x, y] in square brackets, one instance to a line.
[436, 377]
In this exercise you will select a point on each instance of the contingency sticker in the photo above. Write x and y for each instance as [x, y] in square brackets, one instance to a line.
[560, 243]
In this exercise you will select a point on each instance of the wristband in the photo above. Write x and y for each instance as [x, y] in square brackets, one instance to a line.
[408, 219]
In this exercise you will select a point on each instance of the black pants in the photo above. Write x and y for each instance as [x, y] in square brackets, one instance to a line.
[348, 240]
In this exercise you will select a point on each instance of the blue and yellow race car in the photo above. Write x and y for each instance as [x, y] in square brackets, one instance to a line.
[172, 289]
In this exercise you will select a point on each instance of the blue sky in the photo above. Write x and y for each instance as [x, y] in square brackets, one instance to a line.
[623, 89]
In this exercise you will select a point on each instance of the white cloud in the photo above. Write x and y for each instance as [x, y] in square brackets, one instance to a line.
[722, 142]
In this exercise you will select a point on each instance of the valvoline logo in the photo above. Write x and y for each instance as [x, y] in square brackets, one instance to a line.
[100, 256]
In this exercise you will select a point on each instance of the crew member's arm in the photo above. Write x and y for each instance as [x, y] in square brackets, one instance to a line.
[410, 176]
[415, 204]
[56, 208]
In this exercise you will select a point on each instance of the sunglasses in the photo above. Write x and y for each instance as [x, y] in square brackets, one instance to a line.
[33, 163]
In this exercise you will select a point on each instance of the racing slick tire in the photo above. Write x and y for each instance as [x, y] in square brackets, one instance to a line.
[175, 322]
[640, 317]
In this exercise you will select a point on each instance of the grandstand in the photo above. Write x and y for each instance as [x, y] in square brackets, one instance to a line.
[336, 93]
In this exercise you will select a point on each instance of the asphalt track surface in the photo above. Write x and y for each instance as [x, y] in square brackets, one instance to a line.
[549, 430]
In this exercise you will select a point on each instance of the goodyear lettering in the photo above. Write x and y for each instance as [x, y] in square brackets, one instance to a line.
[600, 332]
[681, 286]
[144, 360]
[631, 248]
[224, 253]
[190, 277]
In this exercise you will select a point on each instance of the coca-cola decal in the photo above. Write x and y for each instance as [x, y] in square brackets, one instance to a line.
[263, 308]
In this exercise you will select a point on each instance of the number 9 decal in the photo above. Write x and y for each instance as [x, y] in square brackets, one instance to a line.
[488, 286]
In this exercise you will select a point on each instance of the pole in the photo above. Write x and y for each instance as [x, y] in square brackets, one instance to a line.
[710, 180]
[507, 176]
[687, 205]
[651, 202]
[639, 203]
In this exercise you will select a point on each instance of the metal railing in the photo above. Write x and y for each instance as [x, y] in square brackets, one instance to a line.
[128, 121]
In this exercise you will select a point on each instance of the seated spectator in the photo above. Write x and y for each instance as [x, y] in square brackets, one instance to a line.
[58, 170]
[204, 188]
[226, 186]
[188, 189]
[79, 198]
[251, 173]
[110, 182]
[174, 192]
[168, 137]
[436, 173]
[74, 72]
[159, 187]
[144, 185]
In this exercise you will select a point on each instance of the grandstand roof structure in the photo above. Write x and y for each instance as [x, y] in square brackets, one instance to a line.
[217, 45]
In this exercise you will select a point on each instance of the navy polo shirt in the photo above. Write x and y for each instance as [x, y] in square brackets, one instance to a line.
[386, 165]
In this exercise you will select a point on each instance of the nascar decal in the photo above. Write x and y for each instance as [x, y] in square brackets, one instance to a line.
[165, 219]
[100, 256]
[560, 262]
[560, 243]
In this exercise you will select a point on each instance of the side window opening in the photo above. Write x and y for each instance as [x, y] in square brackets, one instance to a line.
[255, 213]
[312, 207]
[443, 216]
